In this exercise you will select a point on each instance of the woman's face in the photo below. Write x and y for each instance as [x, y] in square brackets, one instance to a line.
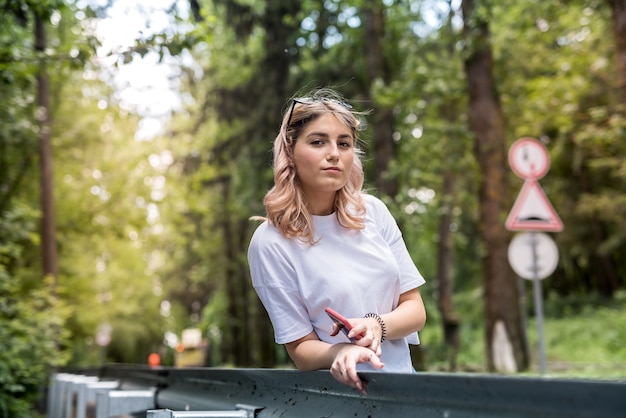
[323, 155]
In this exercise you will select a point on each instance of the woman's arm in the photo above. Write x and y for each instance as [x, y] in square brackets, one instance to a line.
[309, 353]
[408, 317]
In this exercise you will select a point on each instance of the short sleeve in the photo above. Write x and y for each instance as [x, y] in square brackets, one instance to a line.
[410, 277]
[273, 277]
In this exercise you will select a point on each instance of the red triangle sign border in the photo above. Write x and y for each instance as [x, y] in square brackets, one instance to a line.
[532, 211]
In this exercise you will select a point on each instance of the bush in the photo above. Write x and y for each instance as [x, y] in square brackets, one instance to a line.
[31, 324]
[30, 331]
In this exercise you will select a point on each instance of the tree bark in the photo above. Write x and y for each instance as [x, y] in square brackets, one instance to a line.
[236, 285]
[274, 70]
[48, 227]
[607, 279]
[196, 11]
[249, 148]
[450, 321]
[382, 119]
[505, 336]
[618, 8]
[449, 317]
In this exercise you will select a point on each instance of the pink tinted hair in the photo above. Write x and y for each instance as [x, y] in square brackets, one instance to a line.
[286, 203]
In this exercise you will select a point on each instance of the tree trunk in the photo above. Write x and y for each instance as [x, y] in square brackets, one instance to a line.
[609, 286]
[248, 152]
[382, 119]
[245, 288]
[274, 70]
[236, 286]
[619, 35]
[607, 277]
[48, 234]
[449, 317]
[505, 336]
[196, 11]
[449, 111]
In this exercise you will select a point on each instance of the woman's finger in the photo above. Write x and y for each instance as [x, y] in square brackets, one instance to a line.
[355, 381]
[375, 361]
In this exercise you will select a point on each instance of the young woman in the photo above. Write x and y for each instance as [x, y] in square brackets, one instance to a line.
[326, 243]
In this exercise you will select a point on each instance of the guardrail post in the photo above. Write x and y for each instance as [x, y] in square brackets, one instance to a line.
[123, 402]
[62, 391]
[251, 410]
[72, 389]
[242, 411]
[54, 398]
[87, 394]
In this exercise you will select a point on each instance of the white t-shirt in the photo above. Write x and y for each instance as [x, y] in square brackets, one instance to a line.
[352, 271]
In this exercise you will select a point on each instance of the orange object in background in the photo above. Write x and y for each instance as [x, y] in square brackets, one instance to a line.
[154, 359]
[192, 349]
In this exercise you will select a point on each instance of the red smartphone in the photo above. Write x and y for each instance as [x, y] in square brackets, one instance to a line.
[341, 322]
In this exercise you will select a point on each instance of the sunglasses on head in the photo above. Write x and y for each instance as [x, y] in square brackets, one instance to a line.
[311, 100]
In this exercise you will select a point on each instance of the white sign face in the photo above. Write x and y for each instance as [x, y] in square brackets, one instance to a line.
[103, 335]
[192, 337]
[529, 158]
[533, 255]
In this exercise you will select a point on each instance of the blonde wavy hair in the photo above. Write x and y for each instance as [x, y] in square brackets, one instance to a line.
[286, 203]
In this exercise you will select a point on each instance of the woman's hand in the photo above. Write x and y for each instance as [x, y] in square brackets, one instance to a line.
[309, 353]
[370, 331]
[343, 368]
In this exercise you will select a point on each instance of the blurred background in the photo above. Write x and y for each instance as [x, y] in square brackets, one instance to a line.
[135, 144]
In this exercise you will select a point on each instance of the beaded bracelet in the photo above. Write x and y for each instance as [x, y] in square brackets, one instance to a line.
[380, 322]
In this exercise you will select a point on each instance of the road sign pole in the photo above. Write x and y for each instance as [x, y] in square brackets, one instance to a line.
[533, 212]
[537, 291]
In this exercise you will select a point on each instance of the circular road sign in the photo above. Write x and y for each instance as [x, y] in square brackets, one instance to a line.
[533, 255]
[529, 158]
[103, 335]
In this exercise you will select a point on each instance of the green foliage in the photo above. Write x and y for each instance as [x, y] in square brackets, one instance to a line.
[470, 308]
[557, 86]
[105, 188]
[108, 226]
[18, 134]
[542, 81]
[31, 320]
[134, 228]
[583, 335]
[31, 329]
[433, 142]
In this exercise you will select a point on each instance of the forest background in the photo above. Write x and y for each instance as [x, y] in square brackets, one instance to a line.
[114, 240]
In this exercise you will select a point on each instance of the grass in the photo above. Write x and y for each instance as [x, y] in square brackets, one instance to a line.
[583, 336]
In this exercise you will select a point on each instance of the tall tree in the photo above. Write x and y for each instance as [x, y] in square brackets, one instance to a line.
[505, 335]
[566, 94]
[618, 8]
[434, 167]
[241, 100]
[31, 317]
[449, 112]
[48, 228]
[379, 72]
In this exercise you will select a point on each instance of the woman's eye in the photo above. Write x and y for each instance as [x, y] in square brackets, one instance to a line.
[346, 144]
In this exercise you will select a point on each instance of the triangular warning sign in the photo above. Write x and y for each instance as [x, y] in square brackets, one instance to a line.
[533, 211]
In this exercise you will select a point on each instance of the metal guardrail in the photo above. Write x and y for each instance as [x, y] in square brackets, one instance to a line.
[209, 392]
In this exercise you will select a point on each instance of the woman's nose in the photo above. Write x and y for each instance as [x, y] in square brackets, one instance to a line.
[333, 152]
